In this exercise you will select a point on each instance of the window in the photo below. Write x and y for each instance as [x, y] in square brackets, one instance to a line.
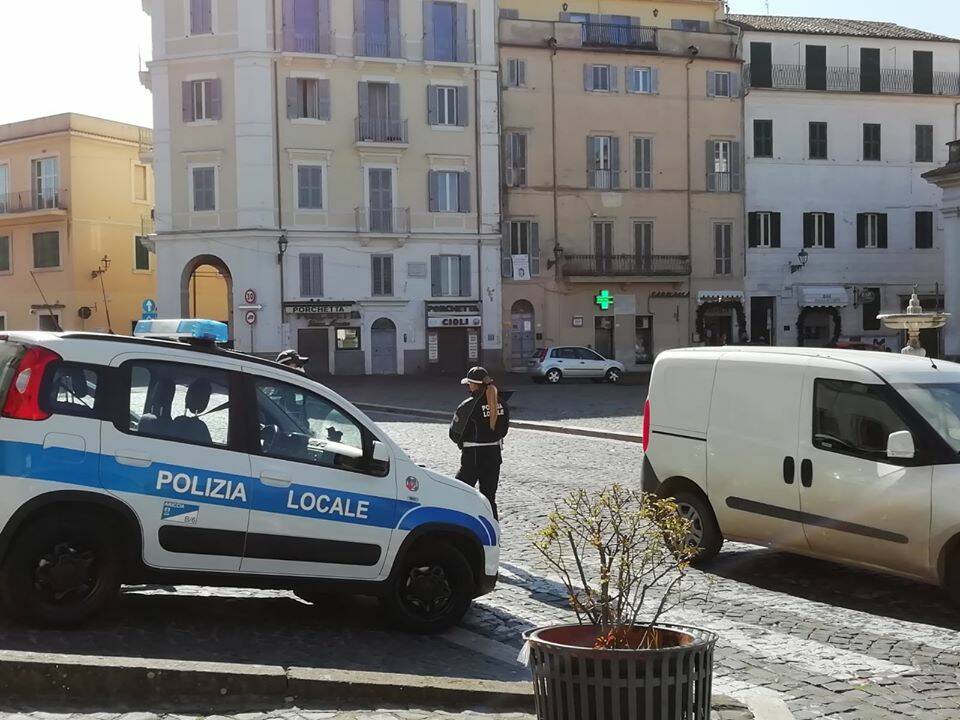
[870, 70]
[690, 25]
[643, 80]
[201, 17]
[4, 253]
[516, 73]
[447, 104]
[310, 187]
[871, 141]
[450, 275]
[201, 100]
[308, 99]
[600, 78]
[522, 245]
[815, 68]
[307, 26]
[3, 321]
[761, 67]
[348, 338]
[442, 32]
[853, 419]
[46, 250]
[643, 340]
[174, 401]
[643, 245]
[449, 191]
[719, 84]
[723, 166]
[818, 230]
[49, 321]
[45, 175]
[204, 188]
[643, 163]
[382, 275]
[871, 230]
[603, 245]
[603, 162]
[141, 253]
[871, 308]
[762, 229]
[71, 390]
[924, 143]
[923, 72]
[723, 250]
[140, 183]
[818, 141]
[923, 222]
[301, 426]
[516, 159]
[311, 275]
[763, 138]
[4, 187]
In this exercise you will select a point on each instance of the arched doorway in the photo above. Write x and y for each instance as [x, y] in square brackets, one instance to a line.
[523, 334]
[383, 347]
[206, 290]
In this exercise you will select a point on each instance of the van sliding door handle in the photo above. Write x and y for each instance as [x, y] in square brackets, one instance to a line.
[806, 473]
[788, 468]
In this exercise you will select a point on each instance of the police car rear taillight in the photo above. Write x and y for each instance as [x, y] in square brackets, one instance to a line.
[23, 397]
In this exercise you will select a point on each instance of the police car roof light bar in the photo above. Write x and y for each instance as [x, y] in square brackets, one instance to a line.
[189, 330]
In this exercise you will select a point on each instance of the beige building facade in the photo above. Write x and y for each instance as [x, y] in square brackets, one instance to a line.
[75, 212]
[623, 210]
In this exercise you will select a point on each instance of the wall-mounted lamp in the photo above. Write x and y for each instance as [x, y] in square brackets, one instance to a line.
[802, 256]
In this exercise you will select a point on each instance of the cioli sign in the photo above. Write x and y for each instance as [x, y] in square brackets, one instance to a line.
[442, 322]
[454, 315]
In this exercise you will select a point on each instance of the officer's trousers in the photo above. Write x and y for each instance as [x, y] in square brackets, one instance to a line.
[481, 465]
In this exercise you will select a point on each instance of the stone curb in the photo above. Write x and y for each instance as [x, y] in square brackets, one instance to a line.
[519, 424]
[73, 677]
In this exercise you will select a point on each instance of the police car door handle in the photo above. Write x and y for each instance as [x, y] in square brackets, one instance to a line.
[134, 459]
[275, 480]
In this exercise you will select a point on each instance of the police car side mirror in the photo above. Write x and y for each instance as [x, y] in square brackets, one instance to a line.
[379, 453]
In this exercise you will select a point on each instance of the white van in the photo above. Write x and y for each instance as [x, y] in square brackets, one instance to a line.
[838, 454]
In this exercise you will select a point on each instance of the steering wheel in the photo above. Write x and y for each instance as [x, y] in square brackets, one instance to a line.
[268, 436]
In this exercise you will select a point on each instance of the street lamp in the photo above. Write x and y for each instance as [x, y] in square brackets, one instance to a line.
[802, 256]
[282, 243]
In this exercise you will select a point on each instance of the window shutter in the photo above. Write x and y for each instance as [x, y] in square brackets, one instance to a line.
[521, 160]
[429, 41]
[775, 230]
[510, 75]
[433, 202]
[588, 77]
[631, 82]
[393, 32]
[861, 230]
[614, 162]
[534, 249]
[360, 25]
[363, 99]
[195, 15]
[375, 275]
[463, 34]
[882, 230]
[614, 81]
[463, 187]
[186, 90]
[387, 272]
[508, 160]
[753, 229]
[712, 183]
[591, 163]
[711, 83]
[325, 25]
[393, 102]
[432, 102]
[654, 80]
[506, 254]
[214, 99]
[735, 167]
[808, 230]
[293, 111]
[521, 72]
[463, 106]
[829, 227]
[465, 289]
[323, 98]
[734, 85]
[289, 26]
[435, 275]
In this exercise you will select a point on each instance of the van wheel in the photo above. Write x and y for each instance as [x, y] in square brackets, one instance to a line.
[553, 376]
[705, 535]
[433, 589]
[614, 376]
[60, 572]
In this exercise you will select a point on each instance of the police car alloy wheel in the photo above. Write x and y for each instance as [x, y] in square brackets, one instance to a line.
[432, 590]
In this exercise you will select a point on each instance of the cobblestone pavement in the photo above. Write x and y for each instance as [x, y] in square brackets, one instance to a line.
[581, 403]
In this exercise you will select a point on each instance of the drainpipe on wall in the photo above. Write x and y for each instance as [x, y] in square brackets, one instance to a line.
[276, 135]
[557, 250]
[689, 193]
[478, 189]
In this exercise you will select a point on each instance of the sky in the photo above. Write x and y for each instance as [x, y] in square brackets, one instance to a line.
[81, 55]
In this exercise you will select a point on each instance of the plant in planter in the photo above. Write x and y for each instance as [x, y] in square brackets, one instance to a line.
[622, 556]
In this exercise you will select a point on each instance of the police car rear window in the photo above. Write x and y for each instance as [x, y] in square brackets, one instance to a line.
[9, 360]
[71, 390]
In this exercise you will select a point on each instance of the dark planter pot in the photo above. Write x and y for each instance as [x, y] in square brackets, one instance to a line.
[572, 681]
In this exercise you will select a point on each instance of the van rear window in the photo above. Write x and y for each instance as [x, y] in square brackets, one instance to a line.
[10, 354]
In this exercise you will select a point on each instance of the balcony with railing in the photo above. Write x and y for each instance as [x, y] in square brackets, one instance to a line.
[379, 45]
[390, 221]
[896, 81]
[594, 266]
[32, 201]
[313, 43]
[382, 130]
[603, 179]
[607, 35]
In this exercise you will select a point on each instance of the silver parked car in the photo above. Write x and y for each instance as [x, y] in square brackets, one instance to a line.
[554, 364]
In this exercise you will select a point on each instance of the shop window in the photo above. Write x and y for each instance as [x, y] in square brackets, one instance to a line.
[348, 338]
[643, 343]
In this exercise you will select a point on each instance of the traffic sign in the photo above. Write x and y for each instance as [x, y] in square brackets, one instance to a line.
[250, 296]
[149, 308]
[250, 317]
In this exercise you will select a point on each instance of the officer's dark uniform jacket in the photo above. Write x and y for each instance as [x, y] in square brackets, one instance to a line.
[471, 423]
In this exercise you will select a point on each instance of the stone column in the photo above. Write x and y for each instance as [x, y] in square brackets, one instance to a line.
[948, 179]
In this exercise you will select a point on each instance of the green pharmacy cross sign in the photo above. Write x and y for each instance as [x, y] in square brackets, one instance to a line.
[604, 299]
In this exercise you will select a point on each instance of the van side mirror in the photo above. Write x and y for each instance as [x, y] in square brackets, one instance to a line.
[900, 445]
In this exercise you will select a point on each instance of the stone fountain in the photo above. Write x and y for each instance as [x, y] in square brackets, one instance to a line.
[913, 321]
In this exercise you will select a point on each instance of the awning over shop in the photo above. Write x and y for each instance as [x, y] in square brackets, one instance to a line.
[716, 296]
[824, 297]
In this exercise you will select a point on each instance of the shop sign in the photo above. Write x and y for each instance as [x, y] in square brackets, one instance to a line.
[578, 320]
[454, 315]
[473, 346]
[604, 299]
[433, 349]
[318, 308]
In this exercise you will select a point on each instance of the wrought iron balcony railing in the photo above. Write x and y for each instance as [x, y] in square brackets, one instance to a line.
[603, 179]
[394, 221]
[897, 81]
[379, 45]
[625, 265]
[619, 36]
[33, 201]
[382, 130]
[316, 43]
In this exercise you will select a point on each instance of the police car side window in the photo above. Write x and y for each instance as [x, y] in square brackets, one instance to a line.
[174, 401]
[301, 426]
[71, 390]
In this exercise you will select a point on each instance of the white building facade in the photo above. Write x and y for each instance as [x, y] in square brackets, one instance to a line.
[339, 159]
[842, 118]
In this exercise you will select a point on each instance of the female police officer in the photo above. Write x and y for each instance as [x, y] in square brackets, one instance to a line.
[478, 428]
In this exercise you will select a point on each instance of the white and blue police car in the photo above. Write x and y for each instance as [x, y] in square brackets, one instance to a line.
[133, 460]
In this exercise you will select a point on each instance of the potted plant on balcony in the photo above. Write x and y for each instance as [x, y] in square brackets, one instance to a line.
[622, 556]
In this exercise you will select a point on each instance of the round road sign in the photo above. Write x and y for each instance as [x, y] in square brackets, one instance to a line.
[250, 317]
[250, 296]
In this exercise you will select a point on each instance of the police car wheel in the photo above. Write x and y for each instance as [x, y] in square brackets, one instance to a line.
[60, 573]
[432, 591]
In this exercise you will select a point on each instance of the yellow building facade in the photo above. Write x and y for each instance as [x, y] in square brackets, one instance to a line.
[75, 211]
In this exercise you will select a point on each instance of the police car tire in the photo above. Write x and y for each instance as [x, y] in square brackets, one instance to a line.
[459, 572]
[18, 593]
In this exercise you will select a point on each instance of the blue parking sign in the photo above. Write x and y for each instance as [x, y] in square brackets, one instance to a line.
[149, 308]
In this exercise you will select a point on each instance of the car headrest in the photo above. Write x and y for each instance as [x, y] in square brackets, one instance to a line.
[162, 398]
[198, 395]
[77, 383]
